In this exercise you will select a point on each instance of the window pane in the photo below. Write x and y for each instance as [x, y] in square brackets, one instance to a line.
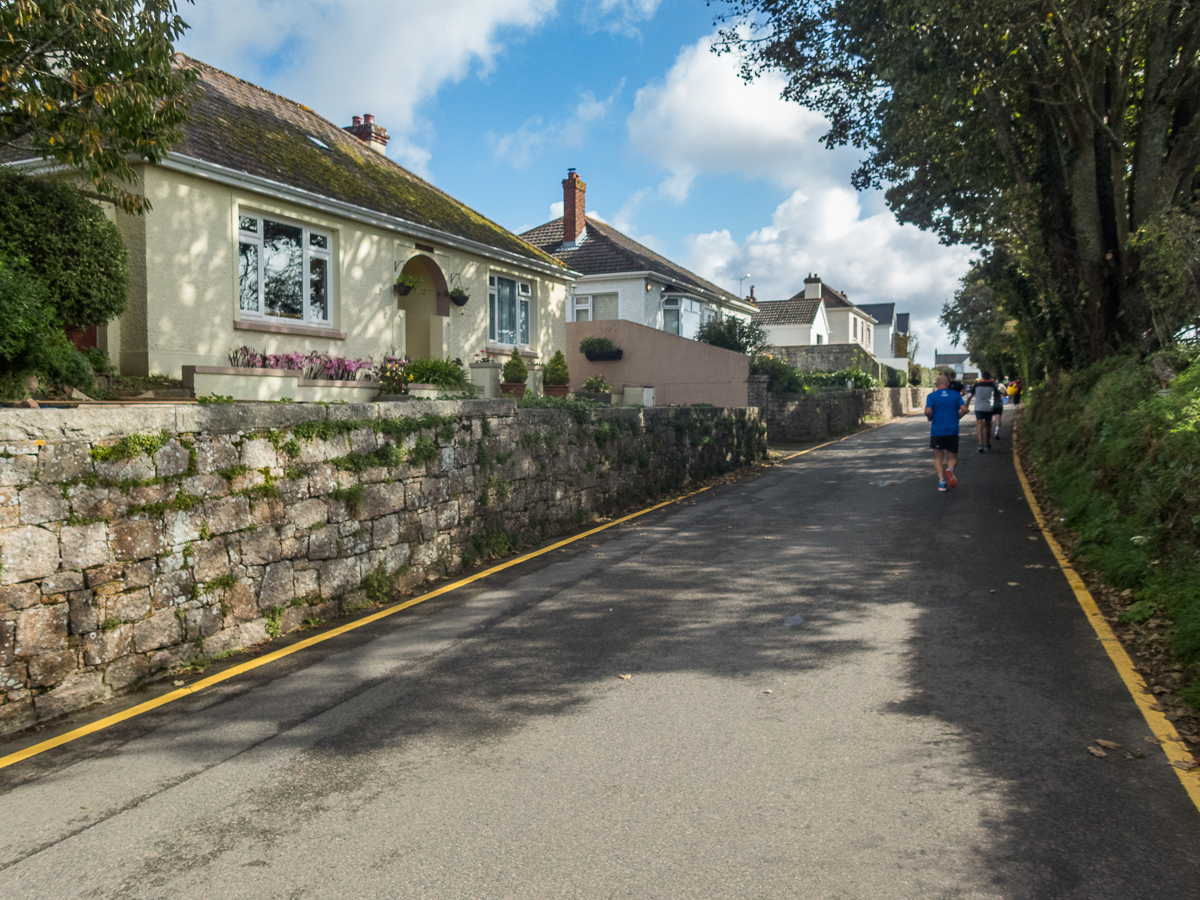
[525, 322]
[582, 314]
[604, 306]
[248, 277]
[506, 311]
[491, 314]
[283, 261]
[248, 223]
[318, 241]
[318, 289]
[671, 321]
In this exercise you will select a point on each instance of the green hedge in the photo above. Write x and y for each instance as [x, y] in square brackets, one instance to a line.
[1123, 463]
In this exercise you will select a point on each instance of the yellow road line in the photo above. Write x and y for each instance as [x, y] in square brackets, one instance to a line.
[195, 687]
[1169, 739]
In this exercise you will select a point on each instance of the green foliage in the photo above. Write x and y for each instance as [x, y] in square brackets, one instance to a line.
[91, 85]
[895, 378]
[214, 398]
[990, 315]
[914, 375]
[579, 409]
[50, 231]
[492, 543]
[597, 384]
[733, 334]
[596, 345]
[444, 373]
[605, 432]
[274, 619]
[378, 585]
[423, 451]
[515, 371]
[781, 378]
[386, 456]
[352, 496]
[1047, 130]
[130, 446]
[110, 624]
[1123, 463]
[397, 429]
[556, 370]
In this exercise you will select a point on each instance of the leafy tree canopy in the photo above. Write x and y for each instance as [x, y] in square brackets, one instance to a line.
[734, 334]
[1052, 130]
[91, 85]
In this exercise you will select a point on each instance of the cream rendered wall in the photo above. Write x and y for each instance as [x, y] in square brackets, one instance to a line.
[184, 301]
[789, 335]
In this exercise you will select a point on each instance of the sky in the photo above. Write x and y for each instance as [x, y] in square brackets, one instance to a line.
[493, 100]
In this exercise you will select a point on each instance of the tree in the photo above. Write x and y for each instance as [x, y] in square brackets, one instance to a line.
[90, 85]
[978, 316]
[733, 334]
[1051, 130]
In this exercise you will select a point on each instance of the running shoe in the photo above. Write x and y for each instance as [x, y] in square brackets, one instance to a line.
[941, 485]
[951, 480]
[980, 450]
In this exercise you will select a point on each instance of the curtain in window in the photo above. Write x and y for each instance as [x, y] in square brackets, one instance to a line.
[506, 311]
[604, 307]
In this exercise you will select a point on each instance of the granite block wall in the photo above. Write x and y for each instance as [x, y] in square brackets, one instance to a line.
[824, 415]
[137, 541]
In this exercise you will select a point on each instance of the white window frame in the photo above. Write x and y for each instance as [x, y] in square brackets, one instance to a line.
[524, 299]
[583, 302]
[308, 317]
[675, 305]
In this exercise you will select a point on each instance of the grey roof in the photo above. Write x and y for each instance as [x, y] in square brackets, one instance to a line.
[902, 323]
[607, 251]
[883, 313]
[837, 300]
[796, 311]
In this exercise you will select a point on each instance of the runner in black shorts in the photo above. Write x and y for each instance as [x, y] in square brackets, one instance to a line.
[984, 390]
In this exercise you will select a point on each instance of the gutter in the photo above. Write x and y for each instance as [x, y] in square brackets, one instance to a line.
[704, 293]
[190, 165]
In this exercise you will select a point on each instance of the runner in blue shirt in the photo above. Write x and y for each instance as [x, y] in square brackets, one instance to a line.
[943, 408]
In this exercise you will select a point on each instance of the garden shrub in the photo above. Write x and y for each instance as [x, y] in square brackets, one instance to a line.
[515, 371]
[443, 373]
[895, 378]
[598, 384]
[781, 378]
[596, 344]
[556, 370]
[733, 334]
[50, 230]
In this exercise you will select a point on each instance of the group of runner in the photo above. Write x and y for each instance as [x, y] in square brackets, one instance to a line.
[948, 404]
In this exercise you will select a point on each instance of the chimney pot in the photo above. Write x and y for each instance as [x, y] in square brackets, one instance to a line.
[368, 118]
[356, 120]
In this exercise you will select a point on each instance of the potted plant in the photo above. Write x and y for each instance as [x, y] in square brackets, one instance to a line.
[513, 375]
[597, 388]
[404, 284]
[557, 376]
[598, 349]
[459, 296]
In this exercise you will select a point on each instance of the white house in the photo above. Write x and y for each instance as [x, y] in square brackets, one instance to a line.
[622, 279]
[796, 322]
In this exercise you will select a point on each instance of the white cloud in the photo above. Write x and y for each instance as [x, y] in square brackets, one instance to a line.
[521, 146]
[621, 16]
[702, 119]
[347, 57]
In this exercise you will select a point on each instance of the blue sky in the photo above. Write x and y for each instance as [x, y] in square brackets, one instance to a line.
[493, 100]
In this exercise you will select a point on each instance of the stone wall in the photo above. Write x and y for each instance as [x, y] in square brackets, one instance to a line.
[823, 415]
[831, 358]
[137, 540]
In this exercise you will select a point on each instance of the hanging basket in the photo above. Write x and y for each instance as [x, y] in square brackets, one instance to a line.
[603, 355]
[402, 290]
[460, 299]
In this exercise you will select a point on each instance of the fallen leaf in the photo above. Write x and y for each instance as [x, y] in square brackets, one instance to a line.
[992, 591]
[626, 677]
[1096, 751]
[1012, 584]
[1136, 753]
[1036, 566]
[1032, 537]
[768, 691]
[1150, 739]
[1185, 764]
[1191, 739]
[180, 683]
[1108, 745]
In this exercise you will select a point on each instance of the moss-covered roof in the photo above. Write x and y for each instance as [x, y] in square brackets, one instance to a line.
[241, 126]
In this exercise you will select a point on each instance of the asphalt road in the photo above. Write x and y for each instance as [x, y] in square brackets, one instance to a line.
[826, 700]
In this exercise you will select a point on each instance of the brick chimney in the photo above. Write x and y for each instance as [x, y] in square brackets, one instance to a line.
[574, 220]
[812, 287]
[365, 129]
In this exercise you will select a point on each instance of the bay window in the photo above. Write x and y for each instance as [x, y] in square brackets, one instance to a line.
[283, 271]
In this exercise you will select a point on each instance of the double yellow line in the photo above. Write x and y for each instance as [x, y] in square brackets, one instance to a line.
[1168, 738]
[234, 671]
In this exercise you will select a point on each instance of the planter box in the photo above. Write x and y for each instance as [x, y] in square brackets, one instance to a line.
[595, 396]
[604, 355]
[557, 390]
[513, 390]
[242, 383]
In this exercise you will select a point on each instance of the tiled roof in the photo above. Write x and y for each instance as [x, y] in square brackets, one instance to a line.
[883, 313]
[902, 323]
[239, 125]
[606, 250]
[837, 300]
[796, 311]
[950, 359]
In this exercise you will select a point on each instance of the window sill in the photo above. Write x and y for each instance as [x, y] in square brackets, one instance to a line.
[494, 349]
[301, 330]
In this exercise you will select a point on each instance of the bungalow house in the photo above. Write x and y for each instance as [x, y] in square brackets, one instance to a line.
[274, 227]
[797, 322]
[886, 332]
[960, 363]
[622, 279]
